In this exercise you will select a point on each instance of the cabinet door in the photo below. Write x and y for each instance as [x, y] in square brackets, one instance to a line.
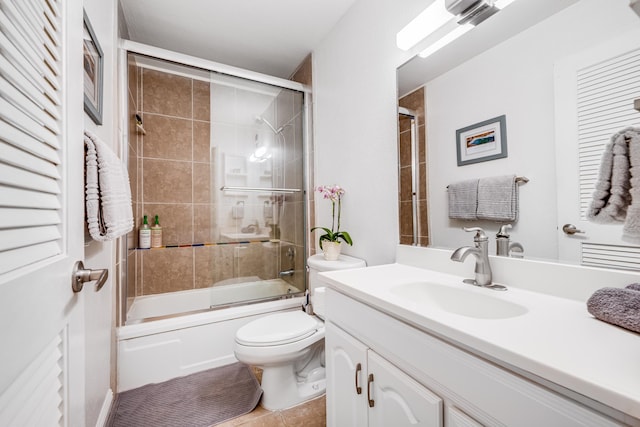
[397, 399]
[457, 418]
[346, 363]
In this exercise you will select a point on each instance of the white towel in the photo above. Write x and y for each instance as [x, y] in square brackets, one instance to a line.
[108, 193]
[463, 199]
[498, 198]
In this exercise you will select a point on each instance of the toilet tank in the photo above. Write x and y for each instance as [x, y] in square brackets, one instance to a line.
[317, 264]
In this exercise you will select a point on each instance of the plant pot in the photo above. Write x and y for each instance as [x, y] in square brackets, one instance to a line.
[331, 250]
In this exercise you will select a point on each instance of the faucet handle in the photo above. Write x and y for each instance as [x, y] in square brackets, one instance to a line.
[480, 236]
[503, 230]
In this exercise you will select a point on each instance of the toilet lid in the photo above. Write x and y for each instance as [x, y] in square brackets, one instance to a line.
[279, 328]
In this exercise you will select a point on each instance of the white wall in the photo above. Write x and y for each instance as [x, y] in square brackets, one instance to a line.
[99, 306]
[514, 78]
[356, 129]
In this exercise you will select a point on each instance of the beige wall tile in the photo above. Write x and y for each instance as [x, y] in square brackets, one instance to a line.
[166, 181]
[201, 141]
[165, 93]
[201, 183]
[213, 264]
[201, 100]
[176, 220]
[167, 270]
[167, 138]
[203, 224]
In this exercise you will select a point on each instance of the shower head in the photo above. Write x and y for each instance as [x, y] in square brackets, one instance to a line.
[261, 120]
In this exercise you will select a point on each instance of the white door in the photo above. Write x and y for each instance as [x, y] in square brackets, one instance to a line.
[594, 92]
[346, 378]
[41, 213]
[397, 399]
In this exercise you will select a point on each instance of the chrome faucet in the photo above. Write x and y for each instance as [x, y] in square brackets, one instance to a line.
[504, 245]
[480, 250]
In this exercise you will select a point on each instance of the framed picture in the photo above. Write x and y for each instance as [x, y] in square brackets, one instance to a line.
[482, 141]
[93, 68]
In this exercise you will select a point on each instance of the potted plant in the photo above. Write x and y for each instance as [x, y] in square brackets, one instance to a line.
[330, 241]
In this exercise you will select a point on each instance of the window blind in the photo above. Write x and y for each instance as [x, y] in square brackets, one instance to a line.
[30, 132]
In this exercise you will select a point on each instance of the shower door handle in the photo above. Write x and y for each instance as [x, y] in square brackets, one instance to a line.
[80, 275]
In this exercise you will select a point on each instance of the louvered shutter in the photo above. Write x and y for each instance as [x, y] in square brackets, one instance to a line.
[605, 105]
[30, 129]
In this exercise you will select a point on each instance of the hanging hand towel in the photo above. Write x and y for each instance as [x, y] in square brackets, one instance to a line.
[617, 192]
[498, 198]
[463, 199]
[108, 193]
[611, 196]
[631, 229]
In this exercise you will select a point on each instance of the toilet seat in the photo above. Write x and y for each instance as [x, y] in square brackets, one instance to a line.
[278, 329]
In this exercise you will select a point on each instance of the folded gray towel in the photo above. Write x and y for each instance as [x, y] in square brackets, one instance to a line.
[633, 286]
[463, 199]
[620, 307]
[498, 198]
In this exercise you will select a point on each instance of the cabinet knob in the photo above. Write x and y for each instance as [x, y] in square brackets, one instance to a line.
[358, 370]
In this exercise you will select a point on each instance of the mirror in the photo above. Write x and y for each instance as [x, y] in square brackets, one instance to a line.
[508, 66]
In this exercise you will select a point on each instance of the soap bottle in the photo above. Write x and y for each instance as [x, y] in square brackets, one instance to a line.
[144, 239]
[156, 234]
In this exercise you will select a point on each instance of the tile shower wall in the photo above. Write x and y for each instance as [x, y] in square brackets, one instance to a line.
[414, 101]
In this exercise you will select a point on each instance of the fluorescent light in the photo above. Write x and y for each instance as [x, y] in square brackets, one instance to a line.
[445, 40]
[501, 4]
[432, 18]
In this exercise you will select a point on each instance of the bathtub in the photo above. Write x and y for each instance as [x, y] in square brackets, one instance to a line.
[158, 343]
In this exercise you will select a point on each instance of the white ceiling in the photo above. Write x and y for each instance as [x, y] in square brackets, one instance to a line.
[271, 37]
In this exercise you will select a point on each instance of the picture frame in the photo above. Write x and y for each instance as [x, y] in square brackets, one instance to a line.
[93, 65]
[482, 141]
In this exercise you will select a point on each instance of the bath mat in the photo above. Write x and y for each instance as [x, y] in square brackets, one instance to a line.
[198, 400]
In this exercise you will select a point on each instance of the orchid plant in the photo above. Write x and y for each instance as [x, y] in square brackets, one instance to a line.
[334, 234]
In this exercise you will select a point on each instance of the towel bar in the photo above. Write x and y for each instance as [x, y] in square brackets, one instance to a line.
[518, 179]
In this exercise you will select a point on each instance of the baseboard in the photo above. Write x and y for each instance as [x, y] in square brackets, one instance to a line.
[104, 411]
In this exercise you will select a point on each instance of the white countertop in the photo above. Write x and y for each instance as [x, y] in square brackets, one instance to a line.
[556, 339]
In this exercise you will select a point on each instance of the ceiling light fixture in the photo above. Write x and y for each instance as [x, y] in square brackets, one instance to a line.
[423, 25]
[441, 13]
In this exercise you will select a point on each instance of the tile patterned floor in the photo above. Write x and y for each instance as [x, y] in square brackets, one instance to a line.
[308, 414]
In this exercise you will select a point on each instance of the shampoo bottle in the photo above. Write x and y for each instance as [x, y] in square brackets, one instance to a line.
[144, 239]
[156, 234]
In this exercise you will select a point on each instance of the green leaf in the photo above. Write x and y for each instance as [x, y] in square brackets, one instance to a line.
[344, 236]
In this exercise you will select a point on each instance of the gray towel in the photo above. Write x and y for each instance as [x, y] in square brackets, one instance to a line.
[463, 199]
[631, 229]
[616, 197]
[620, 307]
[634, 286]
[611, 195]
[498, 198]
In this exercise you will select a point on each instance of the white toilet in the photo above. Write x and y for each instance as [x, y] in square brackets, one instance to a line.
[289, 346]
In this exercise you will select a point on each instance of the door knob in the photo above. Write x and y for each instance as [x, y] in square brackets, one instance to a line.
[81, 275]
[571, 229]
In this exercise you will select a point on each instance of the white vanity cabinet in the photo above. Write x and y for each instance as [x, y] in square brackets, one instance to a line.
[457, 387]
[367, 390]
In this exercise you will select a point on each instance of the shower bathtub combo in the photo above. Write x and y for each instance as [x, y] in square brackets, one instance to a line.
[180, 305]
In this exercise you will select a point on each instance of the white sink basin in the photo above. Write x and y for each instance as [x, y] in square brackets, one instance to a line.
[463, 302]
